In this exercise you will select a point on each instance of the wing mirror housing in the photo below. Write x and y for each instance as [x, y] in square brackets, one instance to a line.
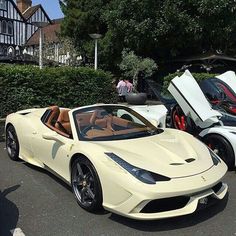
[53, 136]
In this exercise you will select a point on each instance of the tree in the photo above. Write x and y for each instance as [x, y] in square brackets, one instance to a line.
[133, 66]
[83, 17]
[159, 29]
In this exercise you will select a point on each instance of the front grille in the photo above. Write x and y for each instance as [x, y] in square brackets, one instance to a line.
[210, 202]
[165, 204]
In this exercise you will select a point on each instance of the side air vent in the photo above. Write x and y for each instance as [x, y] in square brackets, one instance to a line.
[24, 113]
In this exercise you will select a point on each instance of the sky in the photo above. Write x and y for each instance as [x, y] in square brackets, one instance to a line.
[52, 7]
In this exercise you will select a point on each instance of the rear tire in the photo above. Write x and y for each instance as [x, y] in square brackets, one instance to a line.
[86, 185]
[222, 148]
[12, 143]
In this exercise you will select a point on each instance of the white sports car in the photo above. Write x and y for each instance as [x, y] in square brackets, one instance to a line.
[205, 122]
[116, 159]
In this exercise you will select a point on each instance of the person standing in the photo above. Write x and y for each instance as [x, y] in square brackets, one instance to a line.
[129, 86]
[122, 90]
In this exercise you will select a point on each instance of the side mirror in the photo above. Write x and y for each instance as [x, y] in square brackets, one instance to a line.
[53, 136]
[154, 122]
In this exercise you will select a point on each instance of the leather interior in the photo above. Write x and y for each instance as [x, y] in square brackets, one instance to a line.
[52, 119]
[64, 121]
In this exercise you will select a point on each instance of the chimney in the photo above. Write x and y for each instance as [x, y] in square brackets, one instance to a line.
[23, 4]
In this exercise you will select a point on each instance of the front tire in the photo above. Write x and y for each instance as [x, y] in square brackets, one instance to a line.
[222, 148]
[12, 143]
[86, 185]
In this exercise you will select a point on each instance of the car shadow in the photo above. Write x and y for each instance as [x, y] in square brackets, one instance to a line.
[50, 174]
[9, 212]
[61, 182]
[173, 223]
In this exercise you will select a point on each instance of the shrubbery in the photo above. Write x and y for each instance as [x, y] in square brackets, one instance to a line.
[198, 76]
[24, 87]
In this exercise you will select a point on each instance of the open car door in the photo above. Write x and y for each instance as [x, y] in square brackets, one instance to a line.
[192, 101]
[229, 78]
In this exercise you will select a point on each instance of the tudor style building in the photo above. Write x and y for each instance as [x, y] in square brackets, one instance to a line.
[16, 24]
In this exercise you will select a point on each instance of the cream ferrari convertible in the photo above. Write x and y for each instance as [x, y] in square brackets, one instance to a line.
[113, 158]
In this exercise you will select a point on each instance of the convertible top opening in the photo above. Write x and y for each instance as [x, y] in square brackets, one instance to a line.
[111, 123]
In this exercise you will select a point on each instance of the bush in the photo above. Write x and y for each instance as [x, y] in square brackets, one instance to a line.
[198, 76]
[24, 87]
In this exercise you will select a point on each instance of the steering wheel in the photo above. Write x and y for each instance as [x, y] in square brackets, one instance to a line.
[86, 129]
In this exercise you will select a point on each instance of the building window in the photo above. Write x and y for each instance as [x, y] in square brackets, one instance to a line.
[4, 50]
[3, 4]
[10, 28]
[4, 27]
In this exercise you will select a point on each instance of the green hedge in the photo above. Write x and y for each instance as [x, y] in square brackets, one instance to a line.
[24, 87]
[198, 76]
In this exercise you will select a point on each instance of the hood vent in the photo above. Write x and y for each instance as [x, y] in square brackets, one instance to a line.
[176, 164]
[187, 160]
[190, 160]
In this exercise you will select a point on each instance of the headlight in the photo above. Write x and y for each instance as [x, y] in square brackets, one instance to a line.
[216, 160]
[145, 176]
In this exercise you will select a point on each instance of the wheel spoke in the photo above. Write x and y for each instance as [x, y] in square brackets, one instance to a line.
[79, 170]
[11, 135]
[13, 146]
[87, 176]
[90, 193]
[78, 182]
[82, 194]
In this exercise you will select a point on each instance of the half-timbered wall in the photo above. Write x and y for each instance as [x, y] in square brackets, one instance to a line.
[38, 16]
[12, 25]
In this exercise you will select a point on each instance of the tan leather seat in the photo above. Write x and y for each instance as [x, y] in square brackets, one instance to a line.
[104, 121]
[52, 121]
[63, 121]
[54, 114]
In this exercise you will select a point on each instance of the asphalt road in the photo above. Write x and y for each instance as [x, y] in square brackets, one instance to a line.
[40, 204]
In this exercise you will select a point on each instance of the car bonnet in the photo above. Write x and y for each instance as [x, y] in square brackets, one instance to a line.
[172, 153]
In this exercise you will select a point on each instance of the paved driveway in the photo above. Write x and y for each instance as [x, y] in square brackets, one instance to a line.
[40, 204]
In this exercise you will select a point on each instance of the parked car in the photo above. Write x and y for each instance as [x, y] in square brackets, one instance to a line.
[219, 94]
[116, 159]
[195, 115]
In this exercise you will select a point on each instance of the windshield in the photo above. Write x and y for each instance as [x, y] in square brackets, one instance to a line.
[158, 91]
[229, 94]
[105, 123]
